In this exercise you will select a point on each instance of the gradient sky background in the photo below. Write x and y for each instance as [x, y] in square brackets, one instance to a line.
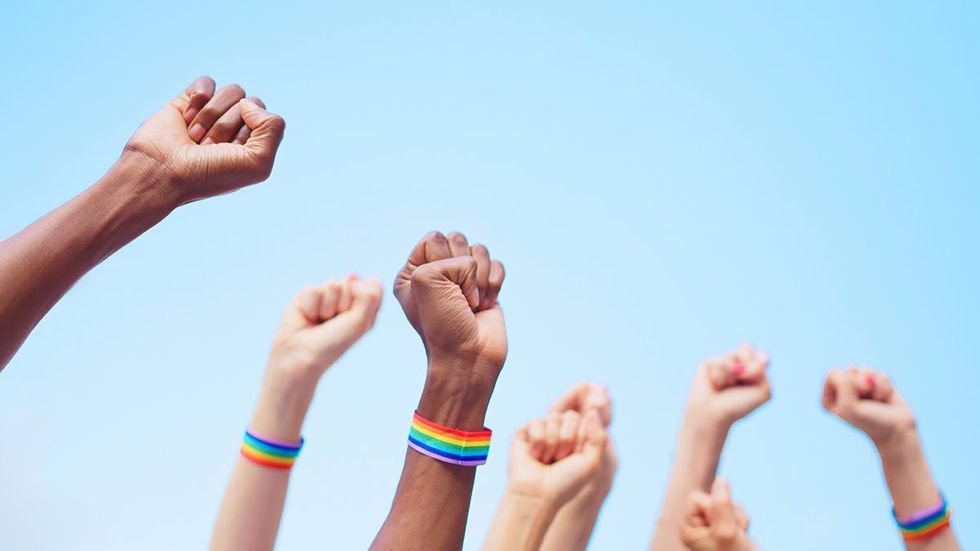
[662, 181]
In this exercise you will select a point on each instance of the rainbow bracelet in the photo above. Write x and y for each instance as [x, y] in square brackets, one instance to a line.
[457, 447]
[267, 452]
[926, 523]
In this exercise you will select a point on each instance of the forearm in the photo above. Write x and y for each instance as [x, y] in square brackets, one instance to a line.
[520, 523]
[39, 264]
[696, 460]
[253, 503]
[572, 526]
[912, 487]
[432, 501]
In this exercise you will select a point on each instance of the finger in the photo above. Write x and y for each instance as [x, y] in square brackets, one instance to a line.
[864, 380]
[551, 430]
[754, 370]
[302, 311]
[698, 503]
[224, 99]
[568, 434]
[267, 130]
[331, 297]
[883, 388]
[458, 244]
[226, 127]
[194, 97]
[719, 372]
[536, 434]
[482, 256]
[840, 391]
[346, 297]
[497, 274]
[244, 132]
[431, 279]
[366, 299]
[742, 518]
[598, 399]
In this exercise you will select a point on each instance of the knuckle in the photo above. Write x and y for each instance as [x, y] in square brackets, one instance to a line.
[234, 90]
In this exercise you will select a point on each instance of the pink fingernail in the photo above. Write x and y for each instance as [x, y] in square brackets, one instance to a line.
[871, 382]
[353, 276]
[738, 369]
[196, 132]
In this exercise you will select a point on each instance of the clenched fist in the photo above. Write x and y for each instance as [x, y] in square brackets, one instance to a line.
[714, 523]
[555, 457]
[448, 290]
[866, 399]
[322, 322]
[207, 142]
[728, 388]
[581, 399]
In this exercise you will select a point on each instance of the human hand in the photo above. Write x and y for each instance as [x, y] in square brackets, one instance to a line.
[448, 290]
[728, 388]
[321, 323]
[714, 523]
[206, 142]
[553, 458]
[867, 400]
[582, 398]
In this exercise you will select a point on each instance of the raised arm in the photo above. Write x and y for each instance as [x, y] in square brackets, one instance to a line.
[201, 143]
[714, 523]
[725, 390]
[319, 325]
[575, 520]
[448, 291]
[867, 400]
[551, 460]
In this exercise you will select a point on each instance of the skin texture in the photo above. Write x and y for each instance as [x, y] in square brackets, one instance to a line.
[319, 325]
[572, 526]
[867, 400]
[725, 390]
[448, 290]
[714, 523]
[161, 168]
[551, 460]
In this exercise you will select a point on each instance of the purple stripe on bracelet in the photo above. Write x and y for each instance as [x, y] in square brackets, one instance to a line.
[464, 463]
[273, 441]
[925, 513]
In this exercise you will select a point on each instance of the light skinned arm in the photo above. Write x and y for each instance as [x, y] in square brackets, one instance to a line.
[319, 325]
[448, 291]
[572, 526]
[551, 460]
[866, 399]
[725, 390]
[714, 523]
[161, 168]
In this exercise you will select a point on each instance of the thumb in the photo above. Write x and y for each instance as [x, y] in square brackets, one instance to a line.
[595, 437]
[721, 514]
[267, 131]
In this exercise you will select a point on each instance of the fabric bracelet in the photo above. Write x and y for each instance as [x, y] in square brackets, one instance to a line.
[457, 447]
[926, 523]
[269, 452]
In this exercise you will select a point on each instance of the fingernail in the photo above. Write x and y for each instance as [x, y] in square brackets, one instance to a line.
[738, 369]
[353, 277]
[871, 382]
[196, 132]
[207, 141]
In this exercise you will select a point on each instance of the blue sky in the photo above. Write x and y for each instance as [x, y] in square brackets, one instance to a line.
[663, 181]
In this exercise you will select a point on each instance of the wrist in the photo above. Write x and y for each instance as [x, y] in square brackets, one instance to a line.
[456, 395]
[146, 180]
[284, 400]
[900, 447]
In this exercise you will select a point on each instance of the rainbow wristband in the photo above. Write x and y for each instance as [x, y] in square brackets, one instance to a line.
[926, 523]
[457, 447]
[267, 452]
